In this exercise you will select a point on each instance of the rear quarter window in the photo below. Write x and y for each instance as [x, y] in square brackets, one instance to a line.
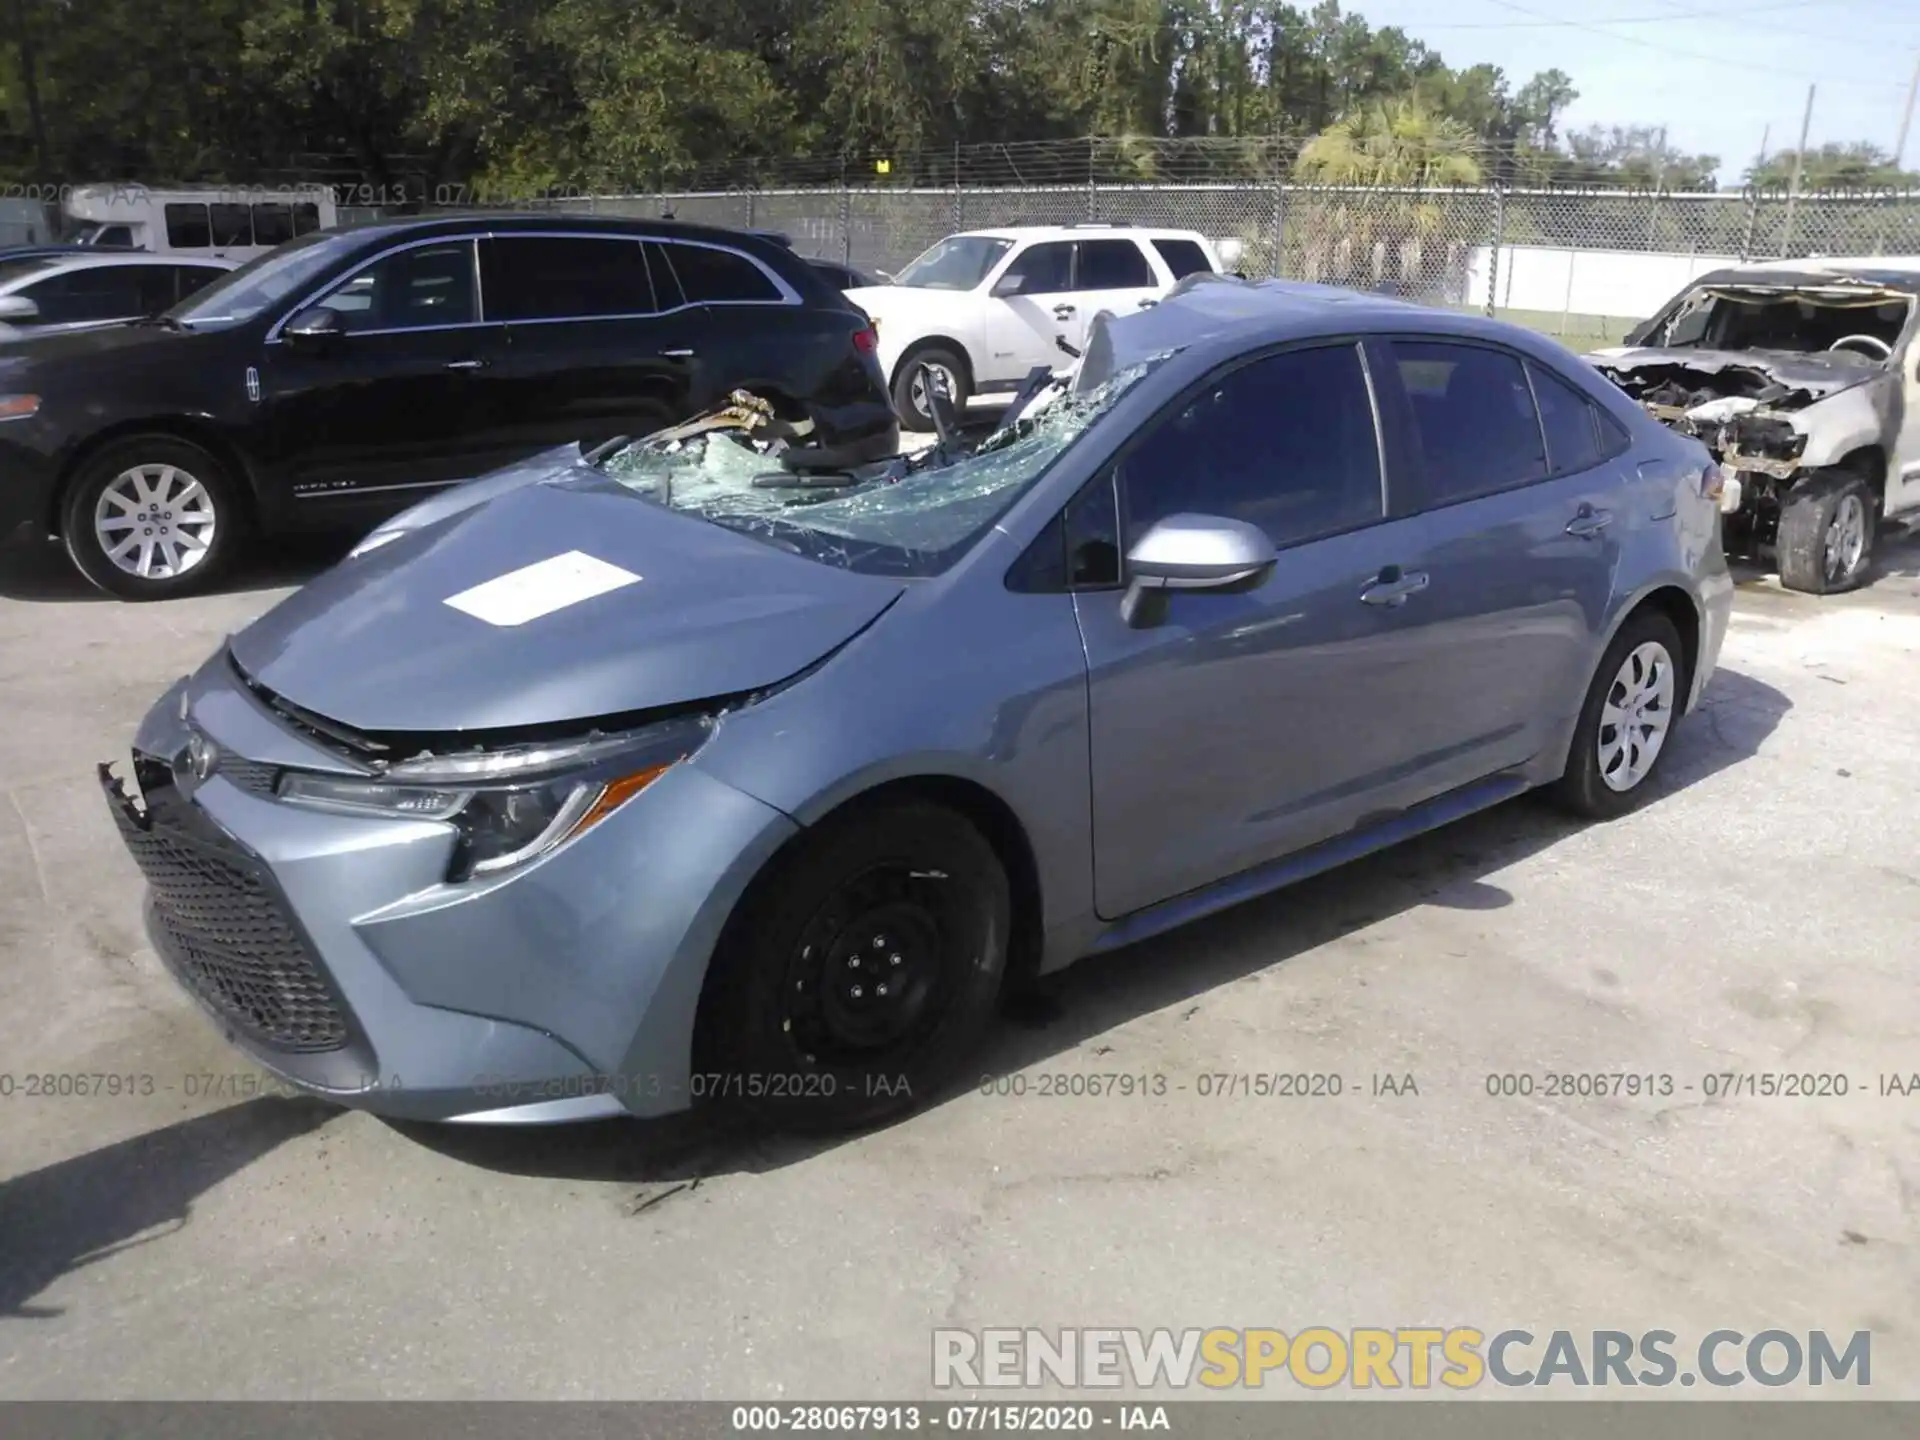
[713, 276]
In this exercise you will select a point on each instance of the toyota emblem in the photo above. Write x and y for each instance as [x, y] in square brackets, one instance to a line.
[202, 755]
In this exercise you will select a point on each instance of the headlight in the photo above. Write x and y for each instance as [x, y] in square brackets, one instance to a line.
[510, 806]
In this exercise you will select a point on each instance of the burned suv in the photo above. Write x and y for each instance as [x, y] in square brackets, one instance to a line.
[1803, 378]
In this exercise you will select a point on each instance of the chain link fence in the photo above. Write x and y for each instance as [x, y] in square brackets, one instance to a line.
[1581, 264]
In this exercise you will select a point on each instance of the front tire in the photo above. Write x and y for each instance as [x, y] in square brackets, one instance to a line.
[1626, 724]
[152, 517]
[909, 389]
[1827, 524]
[858, 973]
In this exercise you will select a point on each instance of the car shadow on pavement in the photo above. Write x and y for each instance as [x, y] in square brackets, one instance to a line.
[40, 572]
[56, 1220]
[1445, 867]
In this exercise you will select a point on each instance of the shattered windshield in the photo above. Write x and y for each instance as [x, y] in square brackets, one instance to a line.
[884, 523]
[1790, 319]
[958, 262]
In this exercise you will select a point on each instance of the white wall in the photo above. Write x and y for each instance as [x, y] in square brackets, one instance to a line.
[1627, 283]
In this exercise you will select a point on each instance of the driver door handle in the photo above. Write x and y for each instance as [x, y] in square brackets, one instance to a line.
[1063, 312]
[1148, 304]
[466, 365]
[1588, 522]
[1394, 587]
[681, 354]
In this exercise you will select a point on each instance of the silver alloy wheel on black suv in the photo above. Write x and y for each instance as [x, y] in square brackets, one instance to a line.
[150, 517]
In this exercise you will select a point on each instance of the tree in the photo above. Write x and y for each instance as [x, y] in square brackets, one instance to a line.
[1393, 142]
[1859, 165]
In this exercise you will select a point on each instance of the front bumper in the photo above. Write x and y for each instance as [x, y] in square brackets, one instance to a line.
[330, 949]
[27, 476]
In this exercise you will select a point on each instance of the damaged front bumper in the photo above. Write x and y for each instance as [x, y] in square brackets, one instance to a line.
[333, 949]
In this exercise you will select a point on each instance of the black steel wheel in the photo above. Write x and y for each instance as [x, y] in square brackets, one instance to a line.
[858, 972]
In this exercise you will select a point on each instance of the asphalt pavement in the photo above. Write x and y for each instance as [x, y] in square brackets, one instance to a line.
[193, 1238]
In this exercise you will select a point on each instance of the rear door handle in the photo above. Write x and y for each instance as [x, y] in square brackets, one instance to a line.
[466, 365]
[1063, 312]
[1394, 587]
[1589, 522]
[1148, 304]
[682, 354]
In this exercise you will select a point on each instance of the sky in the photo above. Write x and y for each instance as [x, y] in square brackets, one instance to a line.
[1718, 75]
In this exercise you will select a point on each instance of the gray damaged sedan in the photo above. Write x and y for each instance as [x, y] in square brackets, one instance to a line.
[683, 771]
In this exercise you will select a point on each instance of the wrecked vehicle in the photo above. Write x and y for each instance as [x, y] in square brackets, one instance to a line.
[1803, 378]
[718, 767]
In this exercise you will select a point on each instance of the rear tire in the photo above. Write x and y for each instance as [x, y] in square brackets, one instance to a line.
[908, 401]
[152, 517]
[1825, 540]
[859, 972]
[1627, 722]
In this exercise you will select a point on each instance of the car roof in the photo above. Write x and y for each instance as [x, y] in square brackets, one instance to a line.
[1897, 271]
[54, 263]
[553, 221]
[1089, 230]
[1216, 317]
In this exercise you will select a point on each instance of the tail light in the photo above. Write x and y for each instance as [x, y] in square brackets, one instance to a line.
[1713, 482]
[866, 341]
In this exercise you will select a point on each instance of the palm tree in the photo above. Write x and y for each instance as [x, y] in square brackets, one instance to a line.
[1387, 160]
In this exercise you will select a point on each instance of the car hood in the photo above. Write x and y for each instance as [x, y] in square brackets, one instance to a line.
[694, 611]
[1818, 376]
[63, 347]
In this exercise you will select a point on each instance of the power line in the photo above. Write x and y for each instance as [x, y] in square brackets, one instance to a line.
[1749, 66]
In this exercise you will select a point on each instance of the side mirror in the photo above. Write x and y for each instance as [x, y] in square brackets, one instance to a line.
[18, 307]
[1006, 287]
[318, 323]
[1194, 552]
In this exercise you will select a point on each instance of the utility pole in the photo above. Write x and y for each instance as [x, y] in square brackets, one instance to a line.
[1799, 162]
[1906, 117]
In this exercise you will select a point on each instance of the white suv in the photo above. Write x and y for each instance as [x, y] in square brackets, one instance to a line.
[983, 308]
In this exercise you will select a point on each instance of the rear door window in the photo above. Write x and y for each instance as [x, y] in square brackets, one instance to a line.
[1474, 418]
[109, 292]
[1183, 257]
[709, 275]
[1113, 265]
[188, 227]
[554, 277]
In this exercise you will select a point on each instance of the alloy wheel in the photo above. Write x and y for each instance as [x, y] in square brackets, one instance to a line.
[155, 522]
[1846, 538]
[1636, 716]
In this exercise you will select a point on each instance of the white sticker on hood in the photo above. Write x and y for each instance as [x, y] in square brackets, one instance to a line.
[542, 588]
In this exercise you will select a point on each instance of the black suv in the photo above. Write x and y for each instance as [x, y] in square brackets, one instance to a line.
[343, 375]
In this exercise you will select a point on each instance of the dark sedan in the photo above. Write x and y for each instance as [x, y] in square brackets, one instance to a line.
[345, 374]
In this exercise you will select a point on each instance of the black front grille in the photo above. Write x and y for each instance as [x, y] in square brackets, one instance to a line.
[228, 935]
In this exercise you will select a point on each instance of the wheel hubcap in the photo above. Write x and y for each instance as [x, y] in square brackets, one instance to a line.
[943, 377]
[1636, 716]
[1846, 537]
[154, 521]
[867, 971]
